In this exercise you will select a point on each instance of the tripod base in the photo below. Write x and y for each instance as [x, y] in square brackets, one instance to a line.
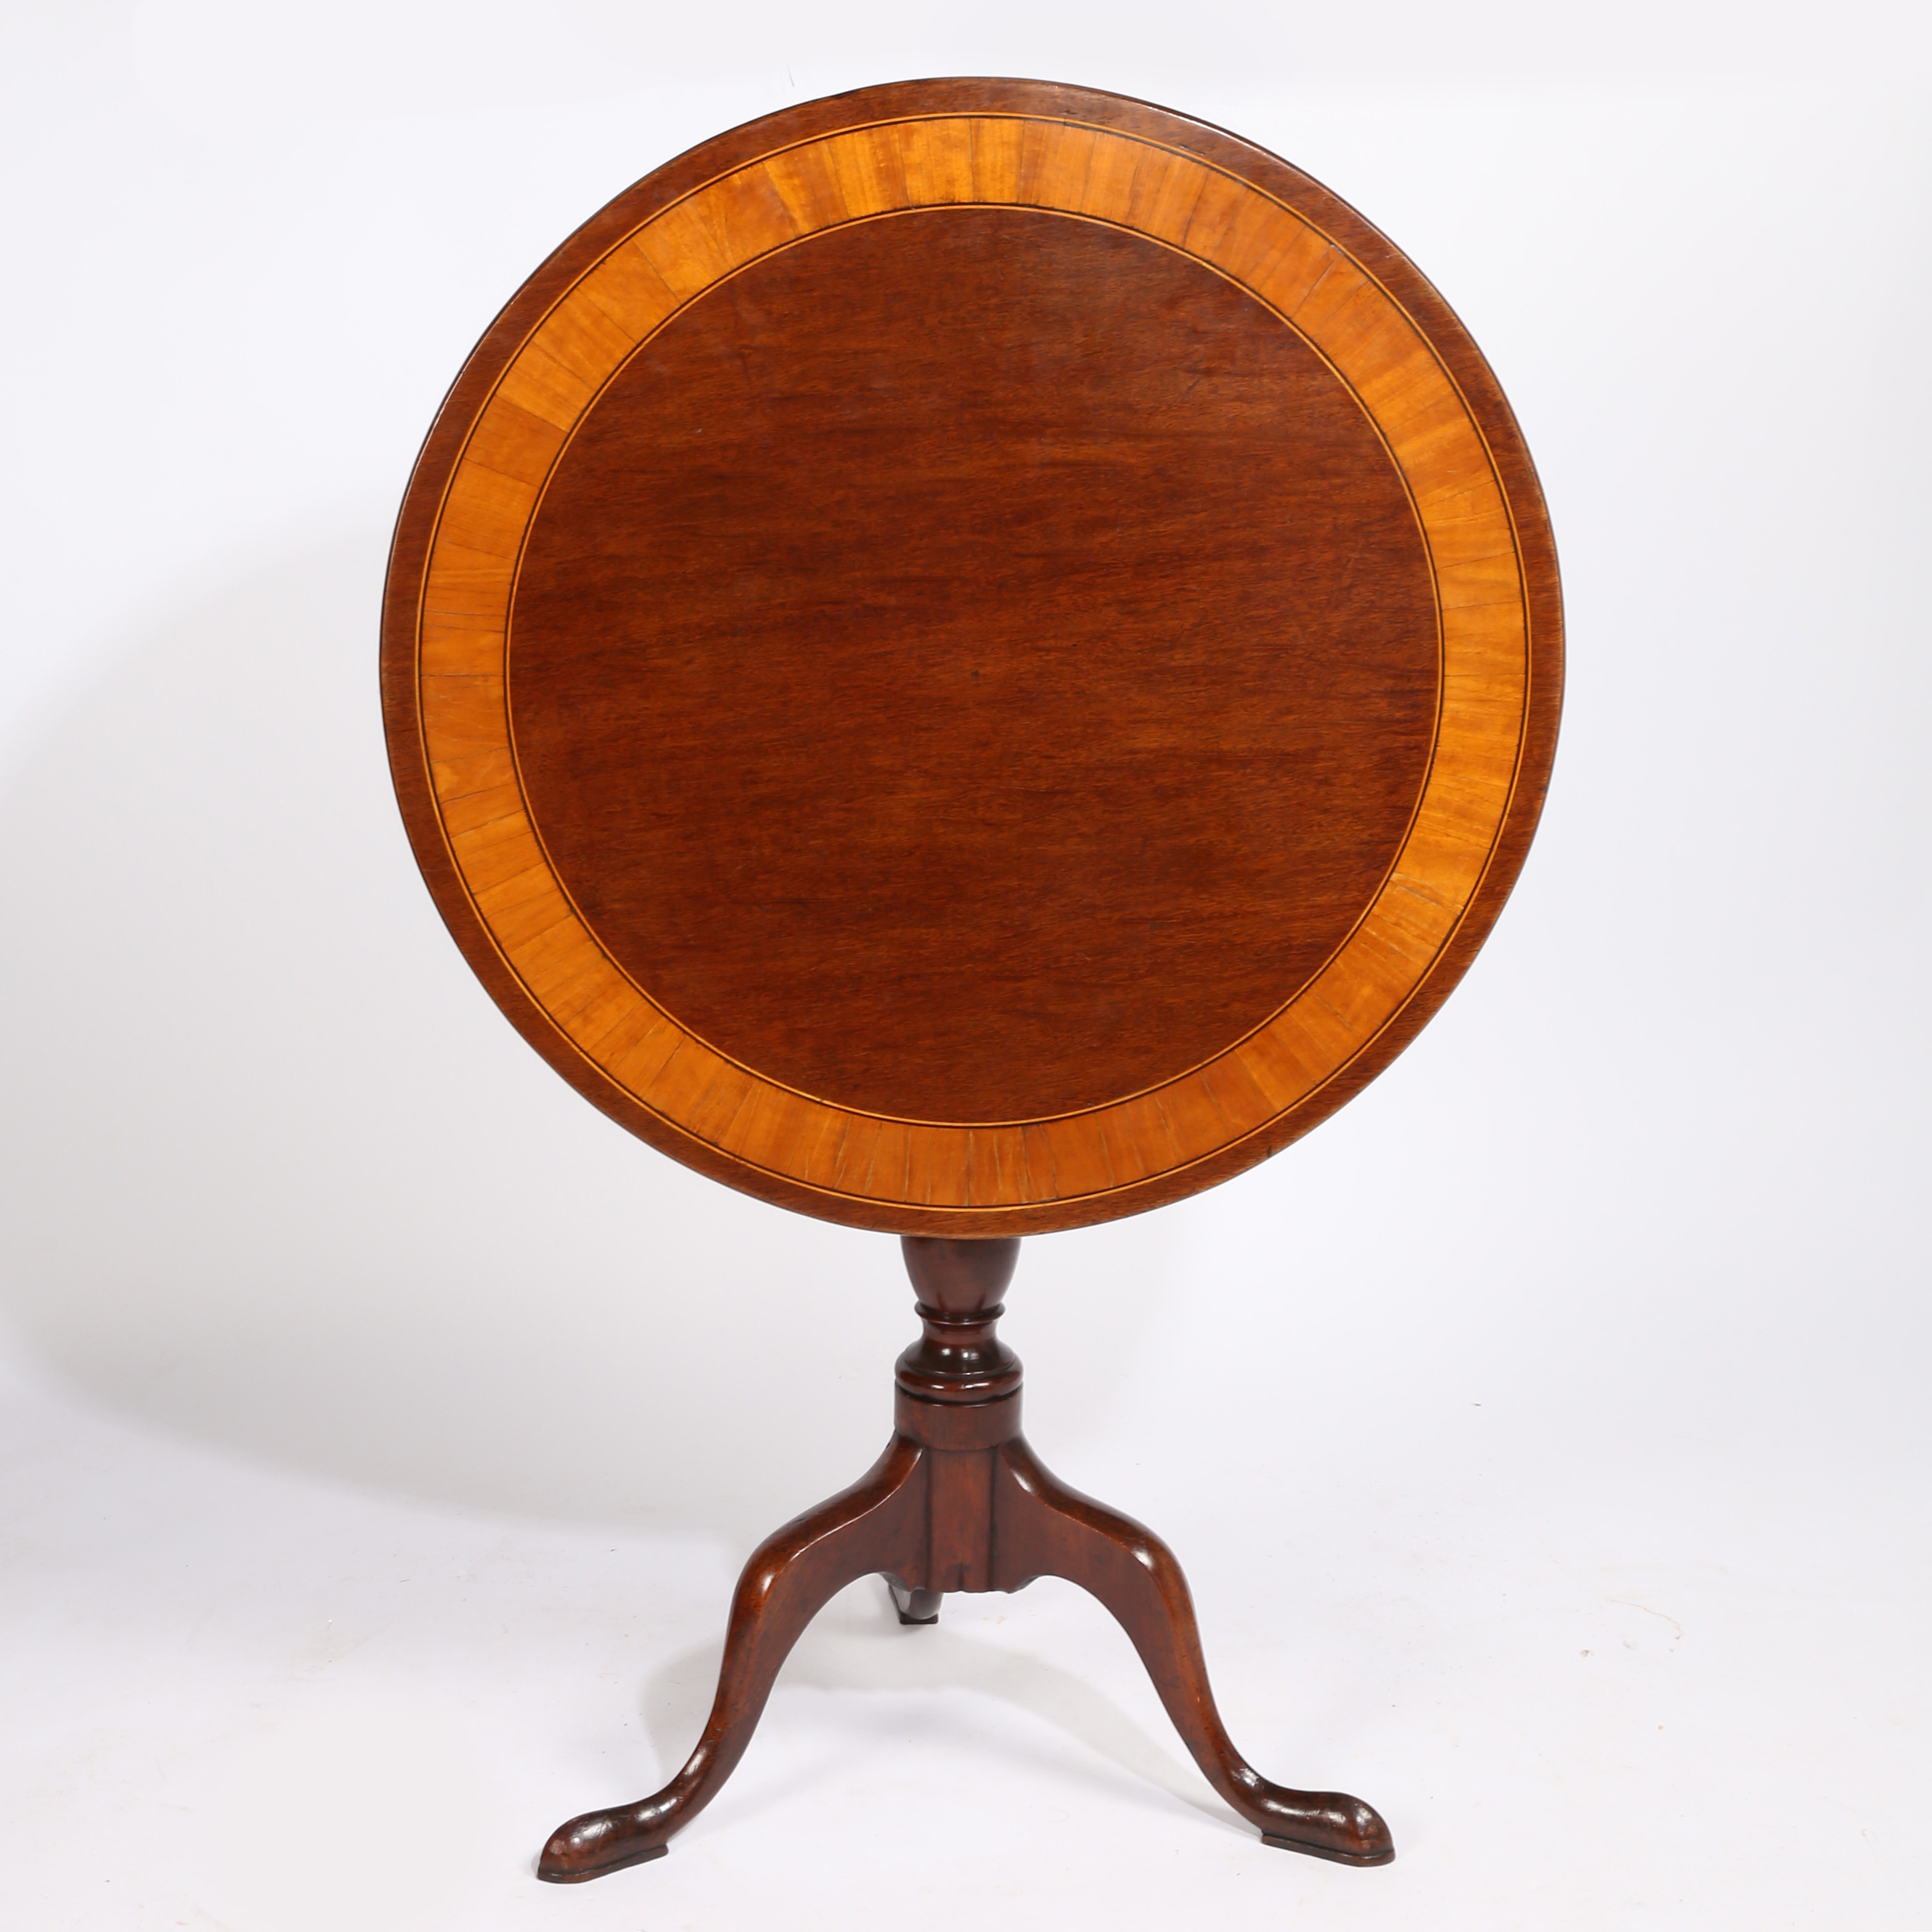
[958, 1501]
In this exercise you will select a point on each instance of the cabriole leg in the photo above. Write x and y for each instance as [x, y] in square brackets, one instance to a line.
[1046, 1529]
[791, 1576]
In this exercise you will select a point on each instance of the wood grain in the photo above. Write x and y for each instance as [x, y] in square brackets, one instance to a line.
[996, 1036]
[945, 733]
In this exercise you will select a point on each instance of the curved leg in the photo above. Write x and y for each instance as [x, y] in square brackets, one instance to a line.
[791, 1577]
[1044, 1528]
[914, 1606]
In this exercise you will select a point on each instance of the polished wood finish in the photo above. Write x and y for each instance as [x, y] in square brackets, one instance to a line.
[935, 677]
[958, 1501]
[973, 658]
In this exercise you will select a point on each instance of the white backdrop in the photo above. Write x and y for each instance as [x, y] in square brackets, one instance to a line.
[1546, 1436]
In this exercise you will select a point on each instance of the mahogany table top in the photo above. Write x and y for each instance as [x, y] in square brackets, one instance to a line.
[973, 657]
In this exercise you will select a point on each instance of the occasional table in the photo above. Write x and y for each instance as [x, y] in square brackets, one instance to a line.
[970, 658]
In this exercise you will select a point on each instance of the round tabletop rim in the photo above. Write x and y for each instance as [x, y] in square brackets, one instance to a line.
[816, 123]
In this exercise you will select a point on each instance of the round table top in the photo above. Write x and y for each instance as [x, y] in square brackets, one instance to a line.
[972, 657]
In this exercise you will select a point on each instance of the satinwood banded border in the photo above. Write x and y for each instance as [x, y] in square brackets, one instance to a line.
[885, 152]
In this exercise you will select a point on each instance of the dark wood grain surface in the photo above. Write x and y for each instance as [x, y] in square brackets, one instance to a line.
[975, 666]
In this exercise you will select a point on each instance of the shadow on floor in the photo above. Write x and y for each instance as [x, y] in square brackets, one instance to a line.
[857, 1645]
